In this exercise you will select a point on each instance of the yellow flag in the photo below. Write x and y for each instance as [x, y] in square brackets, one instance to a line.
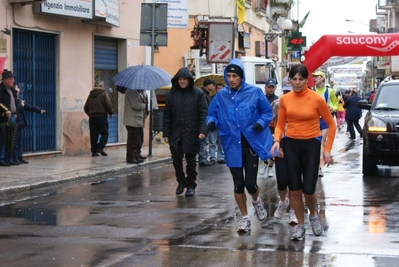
[240, 11]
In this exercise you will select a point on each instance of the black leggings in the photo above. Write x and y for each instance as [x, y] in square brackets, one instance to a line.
[281, 174]
[302, 158]
[250, 163]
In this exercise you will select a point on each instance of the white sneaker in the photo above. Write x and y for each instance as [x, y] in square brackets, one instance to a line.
[260, 211]
[244, 226]
[293, 219]
[281, 208]
[299, 233]
[263, 169]
[270, 172]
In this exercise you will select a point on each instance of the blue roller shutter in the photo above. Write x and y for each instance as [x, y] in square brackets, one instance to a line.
[105, 67]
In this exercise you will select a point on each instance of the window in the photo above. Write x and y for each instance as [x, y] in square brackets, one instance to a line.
[262, 73]
[261, 5]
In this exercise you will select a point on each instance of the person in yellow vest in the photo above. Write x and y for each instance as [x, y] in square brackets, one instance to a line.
[332, 101]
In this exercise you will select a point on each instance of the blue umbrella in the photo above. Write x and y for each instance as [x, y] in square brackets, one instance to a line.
[142, 77]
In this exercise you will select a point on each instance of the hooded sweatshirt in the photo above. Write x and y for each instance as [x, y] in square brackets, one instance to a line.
[98, 103]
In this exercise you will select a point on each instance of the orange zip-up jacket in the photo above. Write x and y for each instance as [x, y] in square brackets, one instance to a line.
[302, 111]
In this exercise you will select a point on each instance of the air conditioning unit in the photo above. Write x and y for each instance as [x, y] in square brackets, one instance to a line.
[27, 1]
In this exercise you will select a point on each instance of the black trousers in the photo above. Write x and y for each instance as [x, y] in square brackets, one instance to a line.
[98, 126]
[189, 180]
[351, 129]
[133, 143]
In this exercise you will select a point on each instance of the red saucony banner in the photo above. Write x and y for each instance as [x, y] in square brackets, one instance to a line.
[350, 45]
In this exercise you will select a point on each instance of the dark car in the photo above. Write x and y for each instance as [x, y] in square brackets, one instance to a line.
[381, 128]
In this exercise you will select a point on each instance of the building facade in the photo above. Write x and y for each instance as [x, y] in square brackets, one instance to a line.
[56, 50]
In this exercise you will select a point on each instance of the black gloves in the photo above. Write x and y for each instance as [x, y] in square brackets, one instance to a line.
[211, 126]
[257, 127]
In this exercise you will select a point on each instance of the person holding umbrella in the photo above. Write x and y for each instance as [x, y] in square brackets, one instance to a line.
[183, 126]
[133, 118]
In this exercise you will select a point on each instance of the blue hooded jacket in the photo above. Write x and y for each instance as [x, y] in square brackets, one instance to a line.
[235, 113]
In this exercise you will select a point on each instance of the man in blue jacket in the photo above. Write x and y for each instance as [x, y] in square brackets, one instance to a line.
[242, 114]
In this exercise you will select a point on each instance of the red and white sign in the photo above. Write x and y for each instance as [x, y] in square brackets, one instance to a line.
[350, 45]
[222, 51]
[220, 42]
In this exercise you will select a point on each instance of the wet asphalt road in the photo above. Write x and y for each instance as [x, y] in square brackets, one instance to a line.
[135, 219]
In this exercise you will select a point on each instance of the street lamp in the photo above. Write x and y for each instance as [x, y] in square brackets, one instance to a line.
[286, 26]
[371, 27]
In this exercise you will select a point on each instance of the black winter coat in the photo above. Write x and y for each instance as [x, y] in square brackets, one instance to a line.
[5, 100]
[184, 115]
[352, 113]
[21, 121]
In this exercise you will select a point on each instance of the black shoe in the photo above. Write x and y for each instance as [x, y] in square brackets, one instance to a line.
[142, 157]
[180, 189]
[190, 192]
[138, 159]
[94, 154]
[205, 163]
[4, 164]
[222, 161]
[135, 161]
[13, 163]
[23, 161]
[102, 152]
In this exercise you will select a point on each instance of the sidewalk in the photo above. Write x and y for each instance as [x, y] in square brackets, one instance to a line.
[41, 172]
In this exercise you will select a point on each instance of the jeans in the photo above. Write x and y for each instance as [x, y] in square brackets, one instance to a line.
[2, 148]
[214, 141]
[203, 155]
[18, 148]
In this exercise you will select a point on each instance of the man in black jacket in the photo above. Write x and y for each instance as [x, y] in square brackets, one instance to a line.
[353, 115]
[183, 126]
[8, 111]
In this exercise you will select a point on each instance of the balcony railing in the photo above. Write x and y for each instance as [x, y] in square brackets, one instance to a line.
[286, 4]
[387, 4]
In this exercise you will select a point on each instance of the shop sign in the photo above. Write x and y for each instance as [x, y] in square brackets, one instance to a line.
[70, 8]
[107, 9]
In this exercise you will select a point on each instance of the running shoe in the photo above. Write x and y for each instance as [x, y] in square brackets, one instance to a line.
[270, 172]
[321, 174]
[260, 211]
[317, 228]
[281, 208]
[292, 216]
[244, 226]
[263, 169]
[299, 233]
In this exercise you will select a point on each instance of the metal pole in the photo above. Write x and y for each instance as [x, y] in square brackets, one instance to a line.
[150, 136]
